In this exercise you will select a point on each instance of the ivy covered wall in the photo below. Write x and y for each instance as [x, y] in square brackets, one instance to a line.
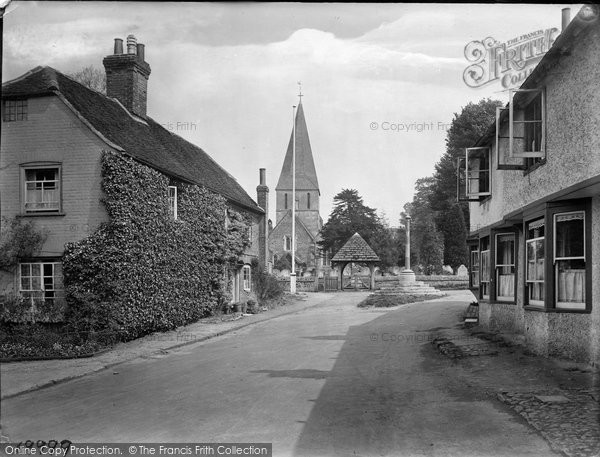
[143, 271]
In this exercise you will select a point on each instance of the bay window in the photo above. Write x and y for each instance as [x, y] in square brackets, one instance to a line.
[569, 260]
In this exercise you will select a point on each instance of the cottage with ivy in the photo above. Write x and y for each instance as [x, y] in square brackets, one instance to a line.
[107, 217]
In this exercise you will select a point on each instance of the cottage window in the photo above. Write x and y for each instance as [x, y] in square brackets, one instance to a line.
[246, 278]
[477, 172]
[287, 243]
[535, 263]
[285, 202]
[569, 260]
[15, 110]
[527, 124]
[485, 272]
[40, 282]
[308, 200]
[173, 202]
[249, 233]
[505, 267]
[41, 189]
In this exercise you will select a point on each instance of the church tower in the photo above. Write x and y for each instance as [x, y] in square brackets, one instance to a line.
[308, 221]
[307, 184]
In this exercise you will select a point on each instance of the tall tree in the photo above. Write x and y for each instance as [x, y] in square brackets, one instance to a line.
[466, 128]
[455, 237]
[429, 243]
[349, 215]
[91, 77]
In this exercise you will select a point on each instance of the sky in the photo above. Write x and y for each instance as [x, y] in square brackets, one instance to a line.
[380, 82]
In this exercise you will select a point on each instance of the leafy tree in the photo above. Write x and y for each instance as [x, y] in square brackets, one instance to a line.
[349, 215]
[91, 77]
[455, 246]
[466, 128]
[429, 243]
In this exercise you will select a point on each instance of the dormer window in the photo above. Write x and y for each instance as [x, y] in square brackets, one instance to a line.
[15, 110]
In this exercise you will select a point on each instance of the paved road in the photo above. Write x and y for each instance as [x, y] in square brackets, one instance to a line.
[332, 380]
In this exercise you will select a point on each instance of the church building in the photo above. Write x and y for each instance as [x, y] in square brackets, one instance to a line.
[308, 219]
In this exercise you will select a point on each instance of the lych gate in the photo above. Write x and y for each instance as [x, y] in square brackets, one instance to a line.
[356, 250]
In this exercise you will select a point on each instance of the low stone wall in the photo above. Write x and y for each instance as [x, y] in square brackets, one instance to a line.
[302, 284]
[437, 281]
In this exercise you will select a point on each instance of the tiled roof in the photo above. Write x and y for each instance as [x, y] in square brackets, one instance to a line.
[148, 142]
[356, 249]
[306, 174]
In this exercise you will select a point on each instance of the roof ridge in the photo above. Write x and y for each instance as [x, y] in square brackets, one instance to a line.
[27, 74]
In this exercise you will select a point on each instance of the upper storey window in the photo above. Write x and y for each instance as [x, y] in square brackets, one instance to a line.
[15, 110]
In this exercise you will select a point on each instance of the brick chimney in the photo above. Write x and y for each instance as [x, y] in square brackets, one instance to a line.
[127, 75]
[262, 198]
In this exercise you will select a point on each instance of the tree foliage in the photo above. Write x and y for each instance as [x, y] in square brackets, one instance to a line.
[18, 239]
[435, 196]
[92, 77]
[349, 215]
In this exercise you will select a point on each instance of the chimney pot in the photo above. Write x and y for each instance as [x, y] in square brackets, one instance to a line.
[140, 51]
[131, 44]
[262, 174]
[118, 46]
[566, 17]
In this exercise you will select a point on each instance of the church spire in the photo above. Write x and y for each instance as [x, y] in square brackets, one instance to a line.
[306, 174]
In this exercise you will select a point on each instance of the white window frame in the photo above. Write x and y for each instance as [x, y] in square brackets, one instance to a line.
[475, 268]
[469, 173]
[247, 278]
[511, 128]
[530, 302]
[173, 202]
[56, 285]
[556, 259]
[57, 204]
[497, 266]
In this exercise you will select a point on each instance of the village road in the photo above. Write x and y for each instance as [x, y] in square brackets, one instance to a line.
[328, 381]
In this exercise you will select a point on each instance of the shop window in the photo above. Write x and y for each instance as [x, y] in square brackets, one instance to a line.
[505, 267]
[569, 260]
[536, 262]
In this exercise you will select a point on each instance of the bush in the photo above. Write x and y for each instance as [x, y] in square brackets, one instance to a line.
[39, 341]
[266, 286]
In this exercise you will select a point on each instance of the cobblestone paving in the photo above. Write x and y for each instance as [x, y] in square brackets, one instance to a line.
[568, 419]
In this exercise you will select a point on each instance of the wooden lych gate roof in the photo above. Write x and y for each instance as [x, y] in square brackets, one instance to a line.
[356, 249]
